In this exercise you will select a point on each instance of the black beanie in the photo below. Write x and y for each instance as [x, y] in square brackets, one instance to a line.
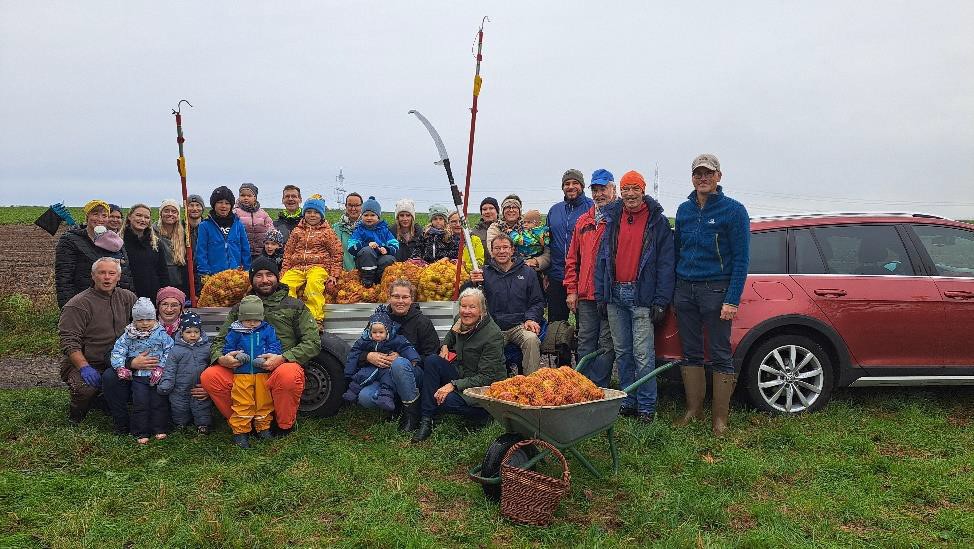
[263, 263]
[490, 200]
[221, 193]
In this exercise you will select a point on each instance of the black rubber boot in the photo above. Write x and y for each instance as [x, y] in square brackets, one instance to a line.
[424, 430]
[242, 441]
[409, 420]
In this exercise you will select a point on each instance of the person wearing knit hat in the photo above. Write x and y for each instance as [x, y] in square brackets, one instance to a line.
[489, 211]
[144, 337]
[107, 240]
[222, 242]
[251, 341]
[711, 271]
[375, 387]
[373, 244]
[634, 279]
[509, 222]
[312, 259]
[300, 344]
[189, 357]
[408, 232]
[170, 302]
[194, 215]
[273, 247]
[592, 329]
[561, 219]
[255, 220]
[438, 241]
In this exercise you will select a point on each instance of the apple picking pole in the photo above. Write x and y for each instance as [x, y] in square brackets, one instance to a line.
[181, 166]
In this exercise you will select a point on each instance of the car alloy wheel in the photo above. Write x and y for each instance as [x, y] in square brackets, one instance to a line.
[790, 378]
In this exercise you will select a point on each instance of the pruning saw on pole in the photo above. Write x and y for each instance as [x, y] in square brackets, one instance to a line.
[181, 166]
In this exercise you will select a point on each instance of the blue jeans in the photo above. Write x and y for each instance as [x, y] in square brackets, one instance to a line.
[437, 372]
[632, 337]
[405, 378]
[594, 333]
[698, 307]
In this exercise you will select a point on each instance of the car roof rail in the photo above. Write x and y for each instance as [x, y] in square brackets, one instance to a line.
[819, 215]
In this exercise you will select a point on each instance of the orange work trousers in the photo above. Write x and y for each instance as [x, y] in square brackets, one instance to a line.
[286, 383]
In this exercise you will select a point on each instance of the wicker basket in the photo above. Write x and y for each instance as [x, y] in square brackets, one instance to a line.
[530, 497]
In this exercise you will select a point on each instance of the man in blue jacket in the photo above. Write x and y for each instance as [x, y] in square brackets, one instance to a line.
[634, 279]
[713, 235]
[561, 222]
[514, 300]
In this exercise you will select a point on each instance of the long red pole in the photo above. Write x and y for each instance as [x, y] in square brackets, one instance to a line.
[181, 166]
[477, 82]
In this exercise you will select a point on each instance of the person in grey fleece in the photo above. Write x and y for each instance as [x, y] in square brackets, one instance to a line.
[189, 357]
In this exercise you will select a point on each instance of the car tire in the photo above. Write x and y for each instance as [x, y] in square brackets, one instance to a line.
[788, 374]
[324, 383]
[491, 467]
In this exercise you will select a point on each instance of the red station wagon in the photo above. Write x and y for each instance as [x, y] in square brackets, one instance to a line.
[864, 299]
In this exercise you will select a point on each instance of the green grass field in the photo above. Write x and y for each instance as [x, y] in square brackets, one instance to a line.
[881, 468]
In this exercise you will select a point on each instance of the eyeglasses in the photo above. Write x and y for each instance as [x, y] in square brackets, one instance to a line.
[704, 173]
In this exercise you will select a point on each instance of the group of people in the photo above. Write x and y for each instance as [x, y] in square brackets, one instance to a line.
[611, 260]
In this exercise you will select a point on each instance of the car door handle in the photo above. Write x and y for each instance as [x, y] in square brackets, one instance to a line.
[959, 294]
[830, 292]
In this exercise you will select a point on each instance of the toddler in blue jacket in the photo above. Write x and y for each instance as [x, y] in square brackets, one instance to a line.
[379, 336]
[372, 244]
[189, 357]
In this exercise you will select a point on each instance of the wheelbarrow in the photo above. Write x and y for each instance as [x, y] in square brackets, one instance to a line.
[564, 427]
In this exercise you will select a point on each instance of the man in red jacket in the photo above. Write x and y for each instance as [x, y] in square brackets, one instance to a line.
[593, 328]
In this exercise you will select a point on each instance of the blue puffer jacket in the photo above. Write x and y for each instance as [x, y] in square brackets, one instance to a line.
[215, 253]
[513, 296]
[364, 345]
[655, 277]
[561, 221]
[378, 233]
[713, 242]
[158, 344]
[185, 364]
[254, 342]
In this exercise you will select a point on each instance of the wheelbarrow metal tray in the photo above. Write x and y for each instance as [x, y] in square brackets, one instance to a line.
[562, 425]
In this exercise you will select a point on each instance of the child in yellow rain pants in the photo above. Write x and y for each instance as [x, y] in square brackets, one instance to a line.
[312, 258]
[251, 338]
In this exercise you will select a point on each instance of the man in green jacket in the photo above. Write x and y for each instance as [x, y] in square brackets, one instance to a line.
[344, 226]
[300, 341]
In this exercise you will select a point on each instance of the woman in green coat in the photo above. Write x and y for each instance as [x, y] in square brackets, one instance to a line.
[472, 355]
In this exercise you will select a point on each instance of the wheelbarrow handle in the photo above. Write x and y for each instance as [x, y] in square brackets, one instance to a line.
[588, 358]
[650, 376]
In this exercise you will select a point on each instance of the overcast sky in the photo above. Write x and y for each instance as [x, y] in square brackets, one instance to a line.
[828, 106]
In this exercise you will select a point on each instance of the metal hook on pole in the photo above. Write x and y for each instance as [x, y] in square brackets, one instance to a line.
[178, 109]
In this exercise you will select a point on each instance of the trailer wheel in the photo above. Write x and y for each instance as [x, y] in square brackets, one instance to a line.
[324, 383]
[491, 466]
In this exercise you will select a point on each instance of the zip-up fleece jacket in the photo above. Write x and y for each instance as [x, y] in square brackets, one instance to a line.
[254, 342]
[655, 276]
[91, 322]
[513, 296]
[378, 233]
[73, 256]
[714, 242]
[561, 222]
[158, 344]
[256, 224]
[580, 259]
[185, 364]
[292, 321]
[309, 246]
[215, 253]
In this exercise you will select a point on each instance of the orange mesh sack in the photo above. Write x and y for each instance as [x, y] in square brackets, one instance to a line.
[224, 289]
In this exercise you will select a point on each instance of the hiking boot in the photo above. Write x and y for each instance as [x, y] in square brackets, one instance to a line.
[646, 417]
[243, 441]
[626, 411]
[424, 430]
[203, 429]
[695, 389]
[409, 420]
[723, 389]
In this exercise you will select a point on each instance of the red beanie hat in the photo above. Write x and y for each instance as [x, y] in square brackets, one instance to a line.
[632, 177]
[169, 291]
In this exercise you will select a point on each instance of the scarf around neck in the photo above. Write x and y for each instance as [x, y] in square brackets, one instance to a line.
[222, 222]
[347, 225]
[249, 209]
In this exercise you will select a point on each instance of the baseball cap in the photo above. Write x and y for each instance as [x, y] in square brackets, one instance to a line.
[708, 161]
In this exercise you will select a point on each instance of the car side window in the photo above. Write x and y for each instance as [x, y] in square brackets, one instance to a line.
[864, 250]
[950, 248]
[769, 251]
[808, 260]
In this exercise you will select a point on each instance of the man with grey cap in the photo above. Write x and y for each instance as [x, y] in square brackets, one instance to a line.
[194, 214]
[713, 239]
[561, 221]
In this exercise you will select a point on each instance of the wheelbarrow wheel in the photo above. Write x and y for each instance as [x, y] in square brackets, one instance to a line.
[492, 461]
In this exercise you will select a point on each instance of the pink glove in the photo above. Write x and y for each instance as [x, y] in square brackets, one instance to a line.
[124, 374]
[155, 376]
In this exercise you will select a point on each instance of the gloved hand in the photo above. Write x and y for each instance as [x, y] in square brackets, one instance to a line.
[90, 376]
[124, 374]
[243, 357]
[657, 314]
[258, 362]
[155, 375]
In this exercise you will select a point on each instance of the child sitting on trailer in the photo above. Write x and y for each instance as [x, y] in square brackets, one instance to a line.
[372, 243]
